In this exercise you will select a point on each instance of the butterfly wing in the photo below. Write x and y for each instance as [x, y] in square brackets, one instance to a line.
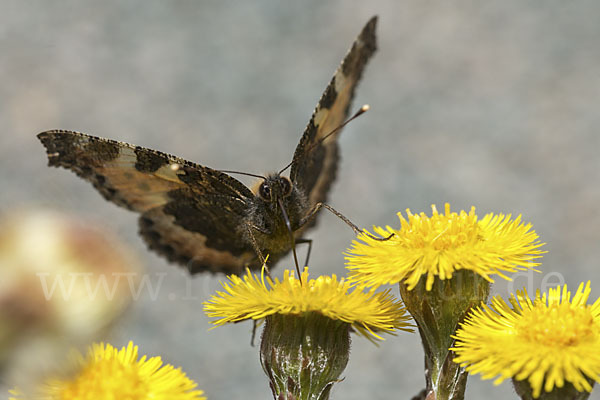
[189, 213]
[315, 160]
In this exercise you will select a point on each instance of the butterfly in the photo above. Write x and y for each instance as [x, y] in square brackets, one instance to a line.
[205, 219]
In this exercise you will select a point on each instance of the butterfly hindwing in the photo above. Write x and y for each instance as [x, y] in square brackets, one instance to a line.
[190, 213]
[218, 249]
[315, 162]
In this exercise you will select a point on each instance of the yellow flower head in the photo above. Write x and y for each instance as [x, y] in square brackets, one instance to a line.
[547, 341]
[109, 373]
[437, 246]
[250, 298]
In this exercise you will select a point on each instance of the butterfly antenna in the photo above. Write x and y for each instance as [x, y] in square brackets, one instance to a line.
[357, 114]
[242, 173]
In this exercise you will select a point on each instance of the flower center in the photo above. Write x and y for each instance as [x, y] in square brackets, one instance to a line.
[557, 325]
[441, 231]
[103, 379]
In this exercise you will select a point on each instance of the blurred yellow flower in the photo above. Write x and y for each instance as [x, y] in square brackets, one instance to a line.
[250, 298]
[547, 341]
[64, 283]
[109, 373]
[439, 245]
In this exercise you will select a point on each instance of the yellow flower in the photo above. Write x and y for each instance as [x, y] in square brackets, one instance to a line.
[437, 246]
[250, 298]
[109, 373]
[547, 341]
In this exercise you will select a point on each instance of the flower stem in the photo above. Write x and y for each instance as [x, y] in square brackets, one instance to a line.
[437, 313]
[304, 355]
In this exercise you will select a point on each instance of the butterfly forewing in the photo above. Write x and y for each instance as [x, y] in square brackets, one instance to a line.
[190, 213]
[315, 161]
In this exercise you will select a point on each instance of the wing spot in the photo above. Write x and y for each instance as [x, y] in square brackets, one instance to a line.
[149, 160]
[168, 250]
[330, 95]
[146, 222]
[154, 235]
[102, 150]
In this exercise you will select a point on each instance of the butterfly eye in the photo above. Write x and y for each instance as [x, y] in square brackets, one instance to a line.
[286, 186]
[265, 191]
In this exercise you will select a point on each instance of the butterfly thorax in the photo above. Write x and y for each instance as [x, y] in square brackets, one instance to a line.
[265, 217]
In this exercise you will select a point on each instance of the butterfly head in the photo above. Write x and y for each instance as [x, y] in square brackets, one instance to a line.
[275, 187]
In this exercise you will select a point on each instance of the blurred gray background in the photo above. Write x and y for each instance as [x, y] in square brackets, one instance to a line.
[492, 104]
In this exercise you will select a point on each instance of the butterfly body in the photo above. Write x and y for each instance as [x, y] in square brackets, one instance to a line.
[203, 218]
[265, 218]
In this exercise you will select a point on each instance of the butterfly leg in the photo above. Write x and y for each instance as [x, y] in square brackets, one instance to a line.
[262, 259]
[254, 326]
[313, 211]
[311, 214]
